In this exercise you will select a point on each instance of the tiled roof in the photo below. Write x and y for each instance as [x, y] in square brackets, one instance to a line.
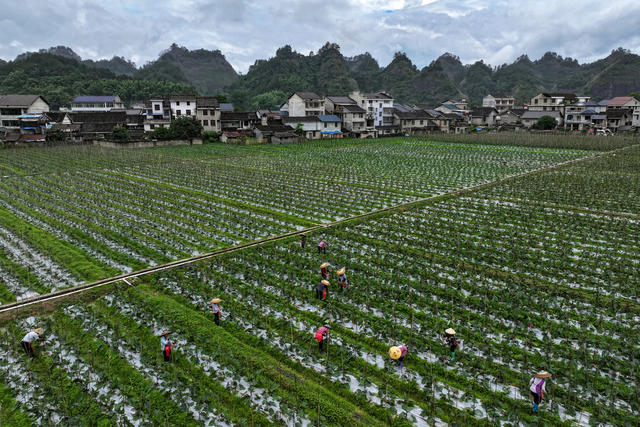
[560, 94]
[207, 102]
[482, 111]
[341, 100]
[329, 118]
[226, 107]
[94, 99]
[18, 100]
[98, 117]
[244, 115]
[619, 101]
[353, 109]
[182, 98]
[300, 119]
[307, 95]
[377, 95]
[412, 115]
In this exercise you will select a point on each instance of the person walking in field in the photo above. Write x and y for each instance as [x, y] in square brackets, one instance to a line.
[322, 334]
[166, 345]
[29, 338]
[215, 309]
[452, 341]
[342, 278]
[322, 247]
[398, 353]
[322, 289]
[537, 388]
[303, 241]
[325, 270]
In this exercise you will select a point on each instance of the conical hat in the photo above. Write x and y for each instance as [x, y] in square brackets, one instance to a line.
[395, 353]
[325, 282]
[543, 374]
[324, 265]
[165, 332]
[450, 331]
[38, 331]
[341, 271]
[215, 300]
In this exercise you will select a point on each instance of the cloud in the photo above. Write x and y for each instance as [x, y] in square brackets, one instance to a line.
[497, 31]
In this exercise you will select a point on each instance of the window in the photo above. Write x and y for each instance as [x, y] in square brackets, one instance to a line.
[205, 112]
[421, 121]
[152, 126]
[188, 112]
[156, 107]
[325, 125]
[205, 123]
[178, 113]
[380, 105]
[188, 102]
[535, 101]
[177, 102]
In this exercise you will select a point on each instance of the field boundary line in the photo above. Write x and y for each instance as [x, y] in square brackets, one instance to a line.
[7, 309]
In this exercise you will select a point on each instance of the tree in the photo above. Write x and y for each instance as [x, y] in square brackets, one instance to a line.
[161, 133]
[186, 127]
[119, 133]
[299, 130]
[54, 136]
[546, 123]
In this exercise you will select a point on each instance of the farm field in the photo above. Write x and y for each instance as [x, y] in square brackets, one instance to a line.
[538, 272]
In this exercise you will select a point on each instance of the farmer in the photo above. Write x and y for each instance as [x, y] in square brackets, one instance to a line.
[322, 334]
[322, 289]
[325, 270]
[537, 388]
[303, 240]
[166, 345]
[215, 309]
[342, 278]
[322, 247]
[29, 338]
[398, 353]
[452, 341]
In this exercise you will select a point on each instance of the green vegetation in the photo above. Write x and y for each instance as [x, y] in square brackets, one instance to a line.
[120, 134]
[546, 123]
[185, 127]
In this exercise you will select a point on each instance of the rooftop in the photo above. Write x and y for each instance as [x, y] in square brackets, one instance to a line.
[343, 100]
[182, 98]
[328, 118]
[207, 102]
[18, 100]
[91, 98]
[307, 95]
[619, 101]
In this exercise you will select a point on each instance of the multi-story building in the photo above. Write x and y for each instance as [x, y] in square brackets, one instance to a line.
[351, 114]
[580, 115]
[555, 101]
[626, 102]
[96, 103]
[208, 113]
[157, 113]
[499, 101]
[304, 104]
[13, 106]
[484, 116]
[530, 118]
[378, 107]
[182, 105]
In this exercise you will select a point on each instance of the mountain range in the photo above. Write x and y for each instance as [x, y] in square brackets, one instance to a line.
[269, 82]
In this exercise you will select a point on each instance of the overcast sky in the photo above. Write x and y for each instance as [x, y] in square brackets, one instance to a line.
[497, 31]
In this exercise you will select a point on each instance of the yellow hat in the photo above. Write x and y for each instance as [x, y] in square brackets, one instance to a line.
[395, 352]
[215, 300]
[325, 282]
[450, 331]
[325, 265]
[38, 331]
[341, 271]
[165, 332]
[543, 374]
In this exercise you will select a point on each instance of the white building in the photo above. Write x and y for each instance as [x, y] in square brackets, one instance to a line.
[499, 101]
[96, 103]
[13, 106]
[182, 105]
[378, 107]
[304, 104]
[157, 113]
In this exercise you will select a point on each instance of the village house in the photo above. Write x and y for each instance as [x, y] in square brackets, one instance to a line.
[485, 116]
[619, 119]
[378, 107]
[157, 113]
[554, 101]
[182, 105]
[13, 106]
[208, 113]
[579, 115]
[304, 104]
[275, 134]
[350, 113]
[311, 125]
[626, 102]
[238, 121]
[499, 102]
[530, 118]
[96, 103]
[461, 105]
[330, 126]
[512, 116]
[413, 120]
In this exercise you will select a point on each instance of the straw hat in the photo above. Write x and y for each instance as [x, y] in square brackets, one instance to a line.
[395, 352]
[543, 374]
[38, 331]
[341, 271]
[165, 332]
[327, 326]
[324, 265]
[215, 300]
[325, 282]
[450, 331]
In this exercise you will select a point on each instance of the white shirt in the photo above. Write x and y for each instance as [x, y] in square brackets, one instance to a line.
[31, 337]
[215, 308]
[534, 382]
[164, 342]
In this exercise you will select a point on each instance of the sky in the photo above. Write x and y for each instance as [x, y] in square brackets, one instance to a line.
[495, 31]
